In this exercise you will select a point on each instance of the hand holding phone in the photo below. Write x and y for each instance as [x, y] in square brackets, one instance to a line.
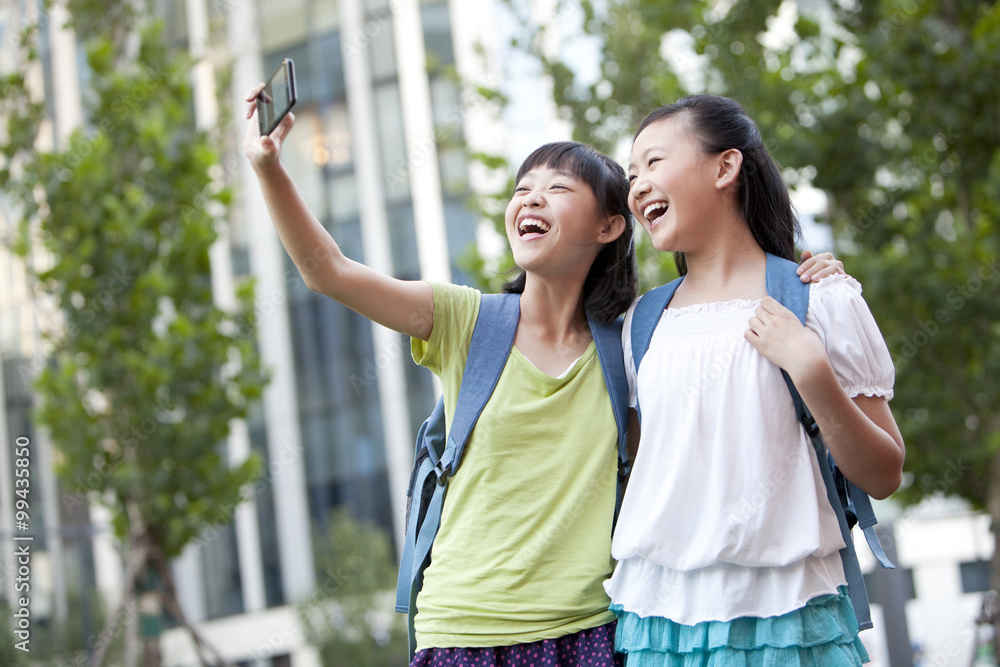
[277, 97]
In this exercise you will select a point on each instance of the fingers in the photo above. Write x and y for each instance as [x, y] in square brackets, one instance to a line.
[251, 99]
[815, 267]
[809, 260]
[284, 127]
[769, 306]
[831, 268]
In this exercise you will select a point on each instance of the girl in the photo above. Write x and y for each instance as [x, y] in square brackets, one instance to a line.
[727, 545]
[498, 591]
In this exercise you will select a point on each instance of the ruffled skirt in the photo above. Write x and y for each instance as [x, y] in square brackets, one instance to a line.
[824, 633]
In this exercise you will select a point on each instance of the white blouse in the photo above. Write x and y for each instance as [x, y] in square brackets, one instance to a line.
[726, 513]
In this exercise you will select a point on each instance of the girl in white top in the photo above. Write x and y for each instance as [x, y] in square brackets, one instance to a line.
[727, 546]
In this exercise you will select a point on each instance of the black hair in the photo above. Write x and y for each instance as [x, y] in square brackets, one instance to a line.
[719, 124]
[613, 281]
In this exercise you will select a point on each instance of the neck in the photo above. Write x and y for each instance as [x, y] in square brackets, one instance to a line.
[554, 306]
[730, 266]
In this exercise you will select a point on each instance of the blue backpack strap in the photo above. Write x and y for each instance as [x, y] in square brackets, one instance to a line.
[608, 339]
[488, 352]
[784, 284]
[646, 316]
[439, 448]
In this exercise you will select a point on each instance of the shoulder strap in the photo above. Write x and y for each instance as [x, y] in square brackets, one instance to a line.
[646, 316]
[784, 284]
[608, 339]
[491, 342]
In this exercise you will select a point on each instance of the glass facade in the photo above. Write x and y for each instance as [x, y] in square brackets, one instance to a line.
[336, 364]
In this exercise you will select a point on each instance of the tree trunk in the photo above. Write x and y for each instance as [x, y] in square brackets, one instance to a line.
[991, 603]
[169, 597]
[134, 564]
[150, 614]
[131, 657]
[151, 652]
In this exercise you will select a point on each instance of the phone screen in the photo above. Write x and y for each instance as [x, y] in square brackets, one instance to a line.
[277, 98]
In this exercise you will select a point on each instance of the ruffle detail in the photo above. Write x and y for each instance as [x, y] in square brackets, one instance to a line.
[869, 390]
[823, 633]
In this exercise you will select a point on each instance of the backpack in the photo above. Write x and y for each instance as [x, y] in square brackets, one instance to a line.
[851, 504]
[439, 451]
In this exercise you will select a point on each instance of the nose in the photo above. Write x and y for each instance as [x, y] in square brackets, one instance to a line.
[532, 199]
[639, 187]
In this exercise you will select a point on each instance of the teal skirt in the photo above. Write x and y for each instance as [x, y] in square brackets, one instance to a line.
[824, 633]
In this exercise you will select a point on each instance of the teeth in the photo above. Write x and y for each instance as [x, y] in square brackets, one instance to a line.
[533, 225]
[653, 207]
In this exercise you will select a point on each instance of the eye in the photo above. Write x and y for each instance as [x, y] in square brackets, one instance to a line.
[652, 160]
[631, 179]
[558, 186]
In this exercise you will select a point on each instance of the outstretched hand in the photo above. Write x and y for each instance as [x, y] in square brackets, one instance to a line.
[813, 268]
[266, 150]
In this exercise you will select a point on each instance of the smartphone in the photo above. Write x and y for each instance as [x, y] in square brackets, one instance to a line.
[277, 98]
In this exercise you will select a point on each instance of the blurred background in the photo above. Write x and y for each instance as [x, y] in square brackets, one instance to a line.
[217, 457]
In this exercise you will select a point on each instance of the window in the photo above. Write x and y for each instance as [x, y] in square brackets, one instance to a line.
[975, 576]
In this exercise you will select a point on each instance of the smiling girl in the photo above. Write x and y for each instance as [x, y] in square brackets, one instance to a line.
[728, 548]
[524, 544]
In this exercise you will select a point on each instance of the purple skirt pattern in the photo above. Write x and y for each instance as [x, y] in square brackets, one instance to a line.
[594, 647]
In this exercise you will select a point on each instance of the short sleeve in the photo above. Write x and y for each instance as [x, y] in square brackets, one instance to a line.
[858, 353]
[456, 308]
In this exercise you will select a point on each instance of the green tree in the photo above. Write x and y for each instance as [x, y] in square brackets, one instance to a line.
[145, 373]
[350, 616]
[891, 109]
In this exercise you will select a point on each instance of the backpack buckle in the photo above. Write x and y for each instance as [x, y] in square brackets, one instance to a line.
[442, 474]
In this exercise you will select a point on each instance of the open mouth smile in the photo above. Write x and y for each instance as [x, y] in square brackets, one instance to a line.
[531, 225]
[656, 210]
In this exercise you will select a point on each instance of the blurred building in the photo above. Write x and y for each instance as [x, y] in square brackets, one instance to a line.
[379, 153]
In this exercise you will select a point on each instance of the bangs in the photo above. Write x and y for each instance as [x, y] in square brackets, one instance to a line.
[605, 177]
[580, 160]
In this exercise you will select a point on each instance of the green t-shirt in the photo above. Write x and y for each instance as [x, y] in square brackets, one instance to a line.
[525, 539]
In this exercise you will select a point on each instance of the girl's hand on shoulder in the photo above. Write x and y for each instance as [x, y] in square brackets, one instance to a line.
[815, 267]
[263, 151]
[778, 335]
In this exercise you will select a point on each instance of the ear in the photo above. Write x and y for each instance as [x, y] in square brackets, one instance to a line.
[611, 229]
[728, 164]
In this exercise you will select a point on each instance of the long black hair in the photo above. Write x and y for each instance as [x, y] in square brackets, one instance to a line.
[613, 282]
[719, 124]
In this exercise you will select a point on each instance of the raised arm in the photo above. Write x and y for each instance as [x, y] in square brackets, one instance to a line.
[406, 306]
[861, 432]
